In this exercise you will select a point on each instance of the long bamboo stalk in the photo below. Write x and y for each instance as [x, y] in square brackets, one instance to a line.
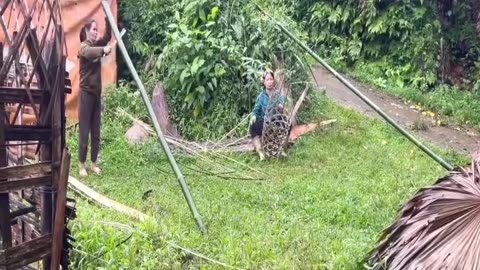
[141, 88]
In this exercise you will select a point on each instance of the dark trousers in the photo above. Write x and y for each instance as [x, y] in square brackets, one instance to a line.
[256, 128]
[89, 115]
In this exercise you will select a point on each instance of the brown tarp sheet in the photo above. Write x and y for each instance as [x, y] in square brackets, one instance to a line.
[74, 13]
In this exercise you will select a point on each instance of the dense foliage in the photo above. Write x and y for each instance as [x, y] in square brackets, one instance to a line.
[423, 51]
[209, 53]
[400, 38]
[417, 43]
[210, 58]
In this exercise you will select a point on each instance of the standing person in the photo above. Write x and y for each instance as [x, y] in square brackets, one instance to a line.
[258, 113]
[90, 54]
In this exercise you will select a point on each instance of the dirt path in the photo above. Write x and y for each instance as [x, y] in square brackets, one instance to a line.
[448, 137]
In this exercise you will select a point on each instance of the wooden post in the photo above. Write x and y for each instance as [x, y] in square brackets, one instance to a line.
[54, 118]
[45, 149]
[62, 104]
[59, 224]
[46, 203]
[51, 151]
[5, 229]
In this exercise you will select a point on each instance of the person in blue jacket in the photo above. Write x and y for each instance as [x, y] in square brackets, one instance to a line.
[258, 113]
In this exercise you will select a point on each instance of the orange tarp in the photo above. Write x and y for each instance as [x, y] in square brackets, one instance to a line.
[73, 13]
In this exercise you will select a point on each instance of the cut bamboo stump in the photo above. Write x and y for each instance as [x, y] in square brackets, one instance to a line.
[160, 108]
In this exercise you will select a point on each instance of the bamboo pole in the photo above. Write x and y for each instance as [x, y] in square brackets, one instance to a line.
[141, 88]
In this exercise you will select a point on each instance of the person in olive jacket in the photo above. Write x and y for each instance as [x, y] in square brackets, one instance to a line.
[90, 54]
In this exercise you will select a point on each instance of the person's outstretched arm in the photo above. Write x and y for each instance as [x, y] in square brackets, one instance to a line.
[92, 52]
[103, 41]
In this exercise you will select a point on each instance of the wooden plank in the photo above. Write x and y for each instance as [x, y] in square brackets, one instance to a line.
[28, 219]
[14, 204]
[91, 194]
[27, 133]
[15, 253]
[17, 184]
[22, 211]
[31, 257]
[61, 201]
[25, 170]
[26, 253]
[19, 95]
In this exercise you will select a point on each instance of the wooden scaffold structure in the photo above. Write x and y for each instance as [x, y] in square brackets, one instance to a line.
[34, 161]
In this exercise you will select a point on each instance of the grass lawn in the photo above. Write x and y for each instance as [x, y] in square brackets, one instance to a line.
[321, 208]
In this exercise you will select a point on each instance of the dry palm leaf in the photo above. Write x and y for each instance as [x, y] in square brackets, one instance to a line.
[439, 228]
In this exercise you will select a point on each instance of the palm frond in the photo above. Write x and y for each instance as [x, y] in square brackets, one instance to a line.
[439, 228]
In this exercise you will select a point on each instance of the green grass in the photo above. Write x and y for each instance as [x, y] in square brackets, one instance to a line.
[321, 208]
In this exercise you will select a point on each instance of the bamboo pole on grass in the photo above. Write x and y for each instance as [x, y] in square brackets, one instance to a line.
[163, 142]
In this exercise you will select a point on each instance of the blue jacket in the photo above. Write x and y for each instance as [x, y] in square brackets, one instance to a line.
[261, 105]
